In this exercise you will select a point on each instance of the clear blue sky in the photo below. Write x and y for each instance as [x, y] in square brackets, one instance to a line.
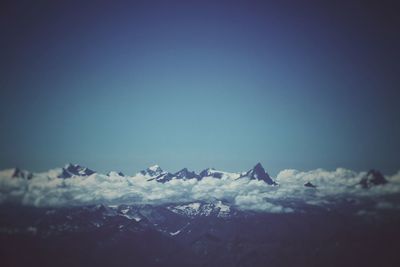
[121, 85]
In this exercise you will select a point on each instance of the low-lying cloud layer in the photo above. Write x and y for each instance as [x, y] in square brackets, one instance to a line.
[332, 187]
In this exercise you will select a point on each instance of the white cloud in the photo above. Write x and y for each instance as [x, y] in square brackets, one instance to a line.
[340, 184]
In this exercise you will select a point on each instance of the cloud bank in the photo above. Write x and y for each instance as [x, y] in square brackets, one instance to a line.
[332, 187]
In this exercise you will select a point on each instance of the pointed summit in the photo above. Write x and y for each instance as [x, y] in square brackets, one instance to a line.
[258, 173]
[156, 173]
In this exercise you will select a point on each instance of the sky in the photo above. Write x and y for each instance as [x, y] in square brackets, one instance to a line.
[122, 85]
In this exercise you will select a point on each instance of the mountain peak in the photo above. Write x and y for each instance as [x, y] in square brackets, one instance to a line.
[153, 170]
[154, 167]
[259, 168]
[211, 172]
[70, 170]
[258, 173]
[186, 174]
[258, 165]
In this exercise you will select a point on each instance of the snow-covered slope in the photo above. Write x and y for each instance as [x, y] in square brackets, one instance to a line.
[152, 171]
[195, 209]
[211, 172]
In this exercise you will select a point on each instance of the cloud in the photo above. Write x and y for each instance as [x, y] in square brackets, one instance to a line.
[394, 178]
[332, 186]
[320, 177]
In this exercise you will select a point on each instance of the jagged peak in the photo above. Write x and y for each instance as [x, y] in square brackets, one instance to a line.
[185, 173]
[71, 169]
[211, 172]
[258, 173]
[154, 170]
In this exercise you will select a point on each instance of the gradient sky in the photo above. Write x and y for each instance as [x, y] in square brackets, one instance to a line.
[122, 85]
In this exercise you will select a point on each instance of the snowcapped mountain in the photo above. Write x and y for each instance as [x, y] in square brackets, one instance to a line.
[70, 170]
[194, 209]
[152, 171]
[258, 173]
[211, 172]
[156, 173]
[164, 177]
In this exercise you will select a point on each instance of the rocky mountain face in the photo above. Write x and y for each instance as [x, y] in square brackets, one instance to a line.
[258, 173]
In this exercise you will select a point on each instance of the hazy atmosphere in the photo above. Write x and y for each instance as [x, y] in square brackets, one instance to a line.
[199, 84]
